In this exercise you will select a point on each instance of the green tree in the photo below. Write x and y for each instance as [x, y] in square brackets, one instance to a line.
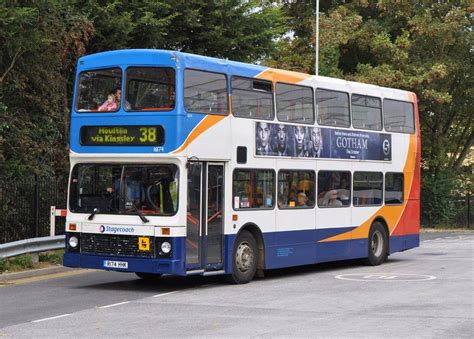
[421, 46]
[41, 43]
[238, 30]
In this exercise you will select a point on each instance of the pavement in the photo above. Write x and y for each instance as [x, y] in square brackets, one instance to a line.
[423, 292]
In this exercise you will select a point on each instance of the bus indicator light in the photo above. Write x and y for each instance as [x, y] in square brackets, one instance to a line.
[165, 231]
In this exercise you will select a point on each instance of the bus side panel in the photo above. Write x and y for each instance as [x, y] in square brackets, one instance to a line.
[296, 248]
[291, 248]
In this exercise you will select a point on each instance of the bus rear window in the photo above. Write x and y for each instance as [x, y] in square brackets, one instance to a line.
[150, 89]
[99, 90]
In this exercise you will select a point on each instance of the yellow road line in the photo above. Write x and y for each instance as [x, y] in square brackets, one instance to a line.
[44, 277]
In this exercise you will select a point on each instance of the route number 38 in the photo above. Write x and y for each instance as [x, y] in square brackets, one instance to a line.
[148, 134]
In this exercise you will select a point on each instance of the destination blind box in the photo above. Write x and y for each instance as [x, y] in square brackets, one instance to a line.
[122, 135]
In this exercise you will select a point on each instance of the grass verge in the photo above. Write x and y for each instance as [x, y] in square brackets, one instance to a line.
[25, 262]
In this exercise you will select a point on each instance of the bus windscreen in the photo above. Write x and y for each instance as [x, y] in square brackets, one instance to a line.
[124, 189]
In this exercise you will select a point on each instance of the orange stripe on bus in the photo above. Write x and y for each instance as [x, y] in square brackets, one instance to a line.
[203, 126]
[275, 75]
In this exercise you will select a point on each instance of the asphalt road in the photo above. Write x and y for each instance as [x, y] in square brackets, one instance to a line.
[425, 292]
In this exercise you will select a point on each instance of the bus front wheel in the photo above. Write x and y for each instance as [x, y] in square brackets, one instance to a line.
[378, 244]
[244, 259]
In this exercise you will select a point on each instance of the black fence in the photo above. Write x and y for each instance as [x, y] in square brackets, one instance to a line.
[25, 207]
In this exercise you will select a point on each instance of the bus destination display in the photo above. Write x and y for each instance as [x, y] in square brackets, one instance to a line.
[122, 135]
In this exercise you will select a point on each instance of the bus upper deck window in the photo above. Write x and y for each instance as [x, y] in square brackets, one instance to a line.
[150, 89]
[99, 90]
[398, 116]
[332, 108]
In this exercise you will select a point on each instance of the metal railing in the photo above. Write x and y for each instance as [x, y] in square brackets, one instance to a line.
[34, 245]
[37, 245]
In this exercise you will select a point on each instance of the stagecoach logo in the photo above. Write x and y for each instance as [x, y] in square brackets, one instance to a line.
[386, 147]
[116, 229]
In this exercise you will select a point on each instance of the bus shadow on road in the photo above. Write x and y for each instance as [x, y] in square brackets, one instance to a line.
[166, 283]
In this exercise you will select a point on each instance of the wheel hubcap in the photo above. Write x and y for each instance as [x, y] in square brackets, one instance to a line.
[377, 243]
[244, 257]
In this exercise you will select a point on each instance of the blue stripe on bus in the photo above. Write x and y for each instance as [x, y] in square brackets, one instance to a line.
[295, 248]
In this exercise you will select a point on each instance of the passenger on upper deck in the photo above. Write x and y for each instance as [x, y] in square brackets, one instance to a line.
[109, 105]
[118, 95]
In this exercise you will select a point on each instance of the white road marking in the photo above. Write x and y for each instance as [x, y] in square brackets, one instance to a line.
[113, 305]
[163, 294]
[51, 318]
[408, 277]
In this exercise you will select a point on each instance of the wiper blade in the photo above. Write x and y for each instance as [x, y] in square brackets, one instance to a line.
[94, 212]
[139, 213]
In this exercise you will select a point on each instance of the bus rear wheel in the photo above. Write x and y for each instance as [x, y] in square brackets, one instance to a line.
[378, 244]
[149, 276]
[244, 259]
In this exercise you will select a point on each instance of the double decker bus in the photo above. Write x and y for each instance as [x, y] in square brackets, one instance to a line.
[184, 164]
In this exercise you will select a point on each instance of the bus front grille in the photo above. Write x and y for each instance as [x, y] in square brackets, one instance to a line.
[110, 244]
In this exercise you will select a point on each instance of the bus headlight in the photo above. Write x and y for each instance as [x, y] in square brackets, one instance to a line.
[165, 247]
[73, 242]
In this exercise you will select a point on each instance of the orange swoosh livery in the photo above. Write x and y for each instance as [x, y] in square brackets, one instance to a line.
[204, 125]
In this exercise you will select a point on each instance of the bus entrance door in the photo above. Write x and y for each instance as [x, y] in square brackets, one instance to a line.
[205, 220]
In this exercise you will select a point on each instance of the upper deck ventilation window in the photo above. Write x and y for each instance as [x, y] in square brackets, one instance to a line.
[150, 89]
[252, 98]
[99, 90]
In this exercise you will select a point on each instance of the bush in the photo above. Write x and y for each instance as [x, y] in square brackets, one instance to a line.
[22, 261]
[53, 257]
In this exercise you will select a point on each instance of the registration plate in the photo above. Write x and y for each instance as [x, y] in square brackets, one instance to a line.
[115, 264]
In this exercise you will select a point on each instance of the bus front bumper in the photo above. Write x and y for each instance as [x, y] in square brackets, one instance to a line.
[125, 264]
